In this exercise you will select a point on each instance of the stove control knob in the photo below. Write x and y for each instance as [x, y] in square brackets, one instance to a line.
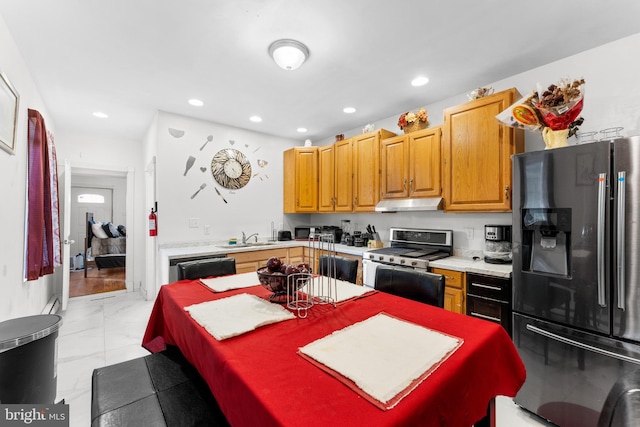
[391, 259]
[381, 258]
[371, 256]
[414, 263]
[402, 261]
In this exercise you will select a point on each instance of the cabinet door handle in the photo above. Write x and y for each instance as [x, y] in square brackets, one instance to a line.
[405, 184]
[355, 201]
[506, 192]
[411, 185]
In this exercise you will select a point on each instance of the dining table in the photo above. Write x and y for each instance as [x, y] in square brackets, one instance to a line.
[261, 377]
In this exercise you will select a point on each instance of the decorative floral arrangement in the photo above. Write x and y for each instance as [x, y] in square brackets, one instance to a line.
[410, 117]
[553, 110]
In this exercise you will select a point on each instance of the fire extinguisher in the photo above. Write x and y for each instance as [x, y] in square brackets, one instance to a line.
[153, 223]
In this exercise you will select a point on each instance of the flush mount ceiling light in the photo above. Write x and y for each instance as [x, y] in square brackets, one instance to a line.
[100, 115]
[349, 110]
[419, 81]
[302, 130]
[196, 102]
[288, 54]
[255, 119]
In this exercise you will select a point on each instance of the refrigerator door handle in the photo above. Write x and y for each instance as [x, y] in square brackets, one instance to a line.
[582, 345]
[621, 243]
[602, 202]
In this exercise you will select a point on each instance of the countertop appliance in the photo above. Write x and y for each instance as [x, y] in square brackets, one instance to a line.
[497, 244]
[284, 235]
[576, 286]
[303, 233]
[408, 248]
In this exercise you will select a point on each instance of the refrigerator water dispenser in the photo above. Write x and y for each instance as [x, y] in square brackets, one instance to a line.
[546, 240]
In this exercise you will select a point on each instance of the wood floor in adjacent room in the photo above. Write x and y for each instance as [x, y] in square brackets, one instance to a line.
[97, 281]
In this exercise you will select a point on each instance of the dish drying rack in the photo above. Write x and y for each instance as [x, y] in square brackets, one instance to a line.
[317, 289]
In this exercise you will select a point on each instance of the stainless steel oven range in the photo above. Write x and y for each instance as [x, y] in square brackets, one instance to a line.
[408, 248]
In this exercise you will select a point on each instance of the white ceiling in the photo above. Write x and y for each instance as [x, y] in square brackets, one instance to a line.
[129, 58]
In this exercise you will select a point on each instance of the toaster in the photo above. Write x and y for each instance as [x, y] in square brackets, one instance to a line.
[284, 235]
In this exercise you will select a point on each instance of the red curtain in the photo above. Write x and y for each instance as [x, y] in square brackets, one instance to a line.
[43, 227]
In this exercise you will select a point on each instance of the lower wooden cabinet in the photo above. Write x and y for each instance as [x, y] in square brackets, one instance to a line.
[454, 292]
[296, 255]
[252, 260]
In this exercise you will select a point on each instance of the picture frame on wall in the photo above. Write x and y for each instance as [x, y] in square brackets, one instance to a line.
[9, 99]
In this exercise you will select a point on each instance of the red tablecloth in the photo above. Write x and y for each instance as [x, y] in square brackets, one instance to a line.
[259, 379]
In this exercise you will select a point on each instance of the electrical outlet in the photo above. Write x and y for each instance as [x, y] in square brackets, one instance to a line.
[207, 229]
[469, 232]
[194, 223]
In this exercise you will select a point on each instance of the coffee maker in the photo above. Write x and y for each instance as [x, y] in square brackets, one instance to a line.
[497, 244]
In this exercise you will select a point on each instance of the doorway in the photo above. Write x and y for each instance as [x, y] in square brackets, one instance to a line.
[122, 211]
[105, 198]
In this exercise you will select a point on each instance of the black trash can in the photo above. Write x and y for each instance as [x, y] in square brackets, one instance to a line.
[28, 358]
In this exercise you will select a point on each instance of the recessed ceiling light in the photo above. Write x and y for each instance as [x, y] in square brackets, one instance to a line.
[196, 102]
[349, 110]
[100, 114]
[419, 81]
[256, 119]
[302, 130]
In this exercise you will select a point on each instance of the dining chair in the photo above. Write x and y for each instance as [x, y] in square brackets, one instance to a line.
[416, 285]
[201, 268]
[342, 268]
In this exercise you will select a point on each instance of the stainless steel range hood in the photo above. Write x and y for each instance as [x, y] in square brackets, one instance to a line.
[407, 205]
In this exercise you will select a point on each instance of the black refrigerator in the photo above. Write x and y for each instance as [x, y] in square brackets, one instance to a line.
[576, 280]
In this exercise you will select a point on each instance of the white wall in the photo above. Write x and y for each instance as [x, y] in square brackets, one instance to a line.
[250, 209]
[612, 98]
[18, 298]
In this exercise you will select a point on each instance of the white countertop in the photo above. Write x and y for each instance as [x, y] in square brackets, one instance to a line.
[223, 248]
[457, 263]
[468, 265]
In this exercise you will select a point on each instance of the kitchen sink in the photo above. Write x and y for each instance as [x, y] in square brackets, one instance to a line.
[247, 245]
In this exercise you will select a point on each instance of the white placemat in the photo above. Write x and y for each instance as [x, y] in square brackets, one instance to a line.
[236, 315]
[235, 281]
[383, 356]
[344, 290]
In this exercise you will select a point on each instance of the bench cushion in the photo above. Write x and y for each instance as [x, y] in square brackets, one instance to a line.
[161, 389]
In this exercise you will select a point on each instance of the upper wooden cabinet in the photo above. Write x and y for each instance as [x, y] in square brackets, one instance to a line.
[327, 178]
[410, 165]
[366, 169]
[344, 176]
[477, 153]
[336, 177]
[301, 180]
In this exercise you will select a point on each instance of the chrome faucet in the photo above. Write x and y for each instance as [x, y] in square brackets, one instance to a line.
[245, 238]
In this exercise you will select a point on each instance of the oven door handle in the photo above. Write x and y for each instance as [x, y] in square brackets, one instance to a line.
[484, 316]
[493, 288]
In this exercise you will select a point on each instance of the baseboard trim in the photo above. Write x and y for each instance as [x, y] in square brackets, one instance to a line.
[52, 306]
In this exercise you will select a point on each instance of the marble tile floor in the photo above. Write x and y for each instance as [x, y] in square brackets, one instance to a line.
[103, 329]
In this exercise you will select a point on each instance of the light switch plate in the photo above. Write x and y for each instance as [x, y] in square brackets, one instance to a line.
[194, 222]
